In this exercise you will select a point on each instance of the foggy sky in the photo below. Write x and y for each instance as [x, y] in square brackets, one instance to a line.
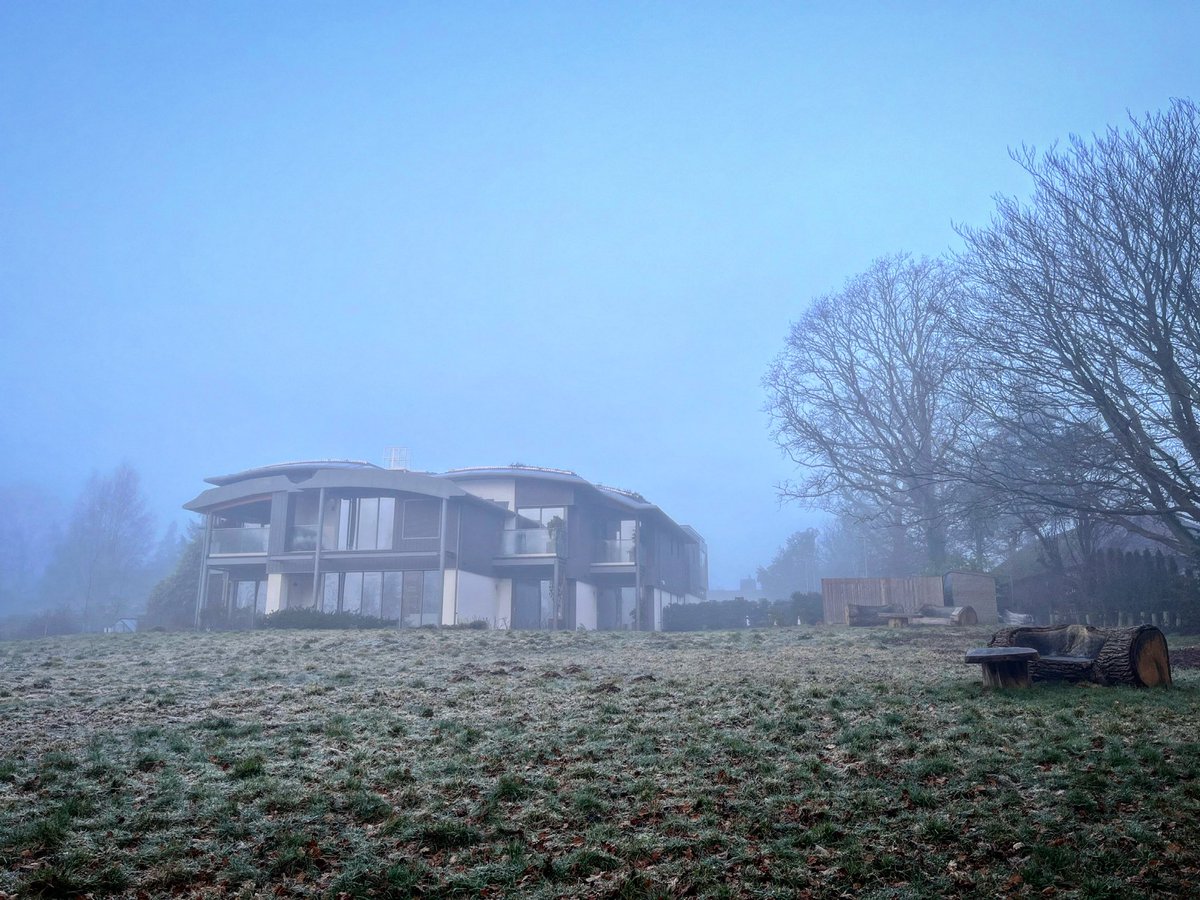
[236, 234]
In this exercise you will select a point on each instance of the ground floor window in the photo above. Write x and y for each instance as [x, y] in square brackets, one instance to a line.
[233, 601]
[616, 609]
[413, 598]
[534, 606]
[250, 595]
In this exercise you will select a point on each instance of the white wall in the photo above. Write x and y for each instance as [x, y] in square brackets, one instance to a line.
[477, 598]
[274, 593]
[585, 605]
[503, 602]
[448, 596]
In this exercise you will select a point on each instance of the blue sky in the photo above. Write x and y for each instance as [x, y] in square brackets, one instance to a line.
[562, 234]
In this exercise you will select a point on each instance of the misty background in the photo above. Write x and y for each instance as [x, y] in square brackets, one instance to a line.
[575, 237]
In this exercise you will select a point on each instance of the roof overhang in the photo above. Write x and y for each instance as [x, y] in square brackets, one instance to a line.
[352, 478]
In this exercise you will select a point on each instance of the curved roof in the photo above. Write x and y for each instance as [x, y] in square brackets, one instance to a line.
[322, 474]
[290, 468]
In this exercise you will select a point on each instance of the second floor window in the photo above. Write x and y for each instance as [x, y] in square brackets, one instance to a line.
[359, 523]
[540, 517]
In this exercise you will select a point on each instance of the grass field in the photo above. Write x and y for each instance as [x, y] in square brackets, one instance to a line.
[785, 762]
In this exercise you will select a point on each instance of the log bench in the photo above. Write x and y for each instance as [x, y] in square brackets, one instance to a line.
[1135, 656]
[1004, 667]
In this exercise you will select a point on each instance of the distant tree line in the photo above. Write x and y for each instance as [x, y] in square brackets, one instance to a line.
[83, 572]
[1042, 385]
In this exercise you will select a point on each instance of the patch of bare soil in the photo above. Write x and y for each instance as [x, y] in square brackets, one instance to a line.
[1186, 658]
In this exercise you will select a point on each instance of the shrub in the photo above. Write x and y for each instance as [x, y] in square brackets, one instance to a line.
[731, 614]
[315, 618]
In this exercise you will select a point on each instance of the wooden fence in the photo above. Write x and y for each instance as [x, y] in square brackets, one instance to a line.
[899, 593]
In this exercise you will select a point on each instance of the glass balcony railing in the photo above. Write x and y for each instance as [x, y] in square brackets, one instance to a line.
[302, 537]
[616, 551]
[230, 541]
[531, 542]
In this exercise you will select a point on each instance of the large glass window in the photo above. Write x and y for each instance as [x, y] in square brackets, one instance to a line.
[304, 509]
[329, 594]
[410, 604]
[540, 516]
[415, 598]
[618, 541]
[616, 609]
[366, 530]
[387, 523]
[298, 591]
[431, 599]
[352, 583]
[250, 595]
[532, 604]
[392, 588]
[422, 518]
[359, 523]
[241, 529]
[372, 593]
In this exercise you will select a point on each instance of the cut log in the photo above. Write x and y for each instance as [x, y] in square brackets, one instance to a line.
[1136, 656]
[857, 614]
[958, 615]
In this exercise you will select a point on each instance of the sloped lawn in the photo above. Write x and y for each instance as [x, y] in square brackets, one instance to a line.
[784, 762]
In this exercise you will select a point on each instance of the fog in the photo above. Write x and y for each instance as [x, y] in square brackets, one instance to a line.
[573, 238]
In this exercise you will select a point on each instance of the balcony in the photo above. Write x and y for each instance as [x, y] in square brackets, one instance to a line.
[239, 541]
[532, 542]
[302, 537]
[622, 551]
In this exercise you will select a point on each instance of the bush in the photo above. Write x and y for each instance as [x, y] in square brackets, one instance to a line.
[729, 614]
[315, 618]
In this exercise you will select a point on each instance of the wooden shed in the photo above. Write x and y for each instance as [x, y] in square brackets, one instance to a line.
[974, 590]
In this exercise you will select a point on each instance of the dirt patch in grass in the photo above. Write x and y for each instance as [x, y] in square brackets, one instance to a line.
[1185, 658]
[799, 762]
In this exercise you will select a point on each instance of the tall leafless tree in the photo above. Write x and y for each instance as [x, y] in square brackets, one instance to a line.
[97, 564]
[1086, 315]
[860, 400]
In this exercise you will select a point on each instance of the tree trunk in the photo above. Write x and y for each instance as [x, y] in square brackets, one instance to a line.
[1135, 656]
[957, 615]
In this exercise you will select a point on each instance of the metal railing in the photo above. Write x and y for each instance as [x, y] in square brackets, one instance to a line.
[622, 550]
[531, 542]
[232, 541]
[302, 537]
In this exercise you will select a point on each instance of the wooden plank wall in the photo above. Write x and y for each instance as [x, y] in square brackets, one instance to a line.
[974, 590]
[902, 593]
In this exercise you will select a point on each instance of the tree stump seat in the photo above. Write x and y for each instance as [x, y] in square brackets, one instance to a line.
[1003, 667]
[1135, 656]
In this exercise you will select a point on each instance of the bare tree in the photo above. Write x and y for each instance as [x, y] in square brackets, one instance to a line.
[1086, 313]
[794, 568]
[860, 400]
[28, 533]
[99, 560]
